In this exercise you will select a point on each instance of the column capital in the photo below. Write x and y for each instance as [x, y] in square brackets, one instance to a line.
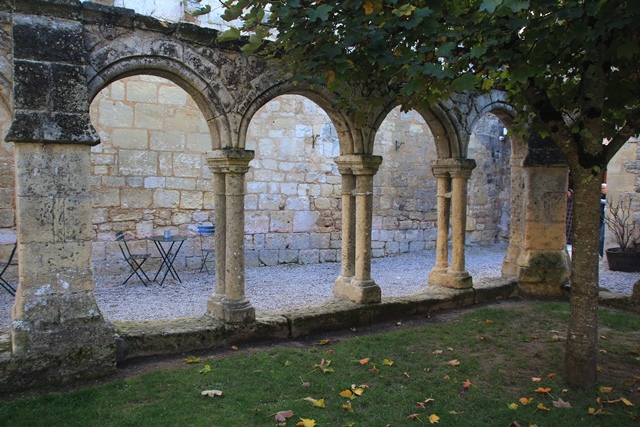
[460, 167]
[358, 164]
[229, 160]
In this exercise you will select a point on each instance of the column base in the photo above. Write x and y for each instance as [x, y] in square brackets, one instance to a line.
[543, 273]
[214, 306]
[237, 311]
[357, 290]
[460, 279]
[450, 278]
[438, 277]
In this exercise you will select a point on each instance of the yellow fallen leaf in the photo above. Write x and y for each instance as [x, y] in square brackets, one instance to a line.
[592, 411]
[347, 393]
[192, 359]
[324, 342]
[306, 422]
[348, 407]
[543, 390]
[318, 403]
[387, 362]
[542, 407]
[454, 362]
[513, 406]
[525, 401]
[234, 348]
[487, 321]
[626, 402]
[357, 390]
[433, 418]
[606, 389]
[211, 393]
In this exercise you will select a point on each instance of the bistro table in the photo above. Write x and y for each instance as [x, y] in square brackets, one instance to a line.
[168, 256]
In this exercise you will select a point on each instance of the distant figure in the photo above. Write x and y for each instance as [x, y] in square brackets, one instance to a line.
[569, 219]
[603, 209]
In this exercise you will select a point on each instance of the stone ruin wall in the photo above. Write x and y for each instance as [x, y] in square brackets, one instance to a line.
[150, 174]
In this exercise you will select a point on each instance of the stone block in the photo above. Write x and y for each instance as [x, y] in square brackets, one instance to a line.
[191, 200]
[166, 198]
[141, 91]
[167, 141]
[309, 256]
[319, 240]
[135, 198]
[115, 114]
[299, 241]
[199, 142]
[328, 255]
[172, 95]
[155, 182]
[188, 184]
[256, 222]
[287, 256]
[305, 220]
[268, 257]
[139, 163]
[7, 218]
[148, 116]
[250, 202]
[187, 165]
[281, 221]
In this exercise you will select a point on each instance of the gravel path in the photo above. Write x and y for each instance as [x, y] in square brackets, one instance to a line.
[273, 289]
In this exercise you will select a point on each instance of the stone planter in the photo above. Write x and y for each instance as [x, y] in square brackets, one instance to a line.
[623, 261]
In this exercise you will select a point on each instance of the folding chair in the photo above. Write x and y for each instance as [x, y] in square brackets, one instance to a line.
[7, 287]
[205, 231]
[135, 261]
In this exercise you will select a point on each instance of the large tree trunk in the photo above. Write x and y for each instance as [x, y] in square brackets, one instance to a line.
[582, 336]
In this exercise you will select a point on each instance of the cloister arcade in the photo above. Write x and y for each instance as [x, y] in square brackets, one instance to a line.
[58, 56]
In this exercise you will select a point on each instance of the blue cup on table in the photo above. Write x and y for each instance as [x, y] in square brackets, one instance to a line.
[167, 234]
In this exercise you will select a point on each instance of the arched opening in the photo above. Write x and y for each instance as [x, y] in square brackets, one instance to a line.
[149, 175]
[292, 204]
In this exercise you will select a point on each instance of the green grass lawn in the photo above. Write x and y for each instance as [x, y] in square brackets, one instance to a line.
[506, 351]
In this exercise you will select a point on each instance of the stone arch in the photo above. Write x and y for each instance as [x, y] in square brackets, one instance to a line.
[321, 96]
[446, 131]
[194, 73]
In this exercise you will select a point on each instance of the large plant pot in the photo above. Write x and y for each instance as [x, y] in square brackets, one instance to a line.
[623, 261]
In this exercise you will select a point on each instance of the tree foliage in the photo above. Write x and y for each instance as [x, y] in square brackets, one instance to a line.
[571, 67]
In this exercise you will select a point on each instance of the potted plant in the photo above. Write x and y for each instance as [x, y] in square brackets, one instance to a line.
[618, 219]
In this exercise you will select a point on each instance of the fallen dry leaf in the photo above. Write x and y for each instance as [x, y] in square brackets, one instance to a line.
[543, 390]
[513, 406]
[447, 377]
[454, 362]
[605, 389]
[234, 348]
[324, 342]
[437, 352]
[626, 402]
[282, 416]
[542, 407]
[406, 375]
[387, 362]
[551, 375]
[514, 424]
[466, 384]
[347, 394]
[306, 422]
[330, 352]
[211, 393]
[420, 405]
[562, 404]
[414, 416]
[364, 361]
[536, 379]
[433, 418]
[348, 407]
[192, 359]
[318, 403]
[525, 401]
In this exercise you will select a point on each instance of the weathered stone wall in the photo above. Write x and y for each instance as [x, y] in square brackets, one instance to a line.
[489, 204]
[623, 180]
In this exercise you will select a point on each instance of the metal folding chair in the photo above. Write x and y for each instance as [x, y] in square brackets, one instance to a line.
[7, 287]
[206, 231]
[135, 261]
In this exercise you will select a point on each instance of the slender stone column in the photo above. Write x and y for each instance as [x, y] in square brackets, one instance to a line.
[234, 164]
[361, 288]
[459, 276]
[348, 229]
[438, 275]
[219, 184]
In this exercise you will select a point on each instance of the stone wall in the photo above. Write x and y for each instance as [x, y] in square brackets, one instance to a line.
[149, 174]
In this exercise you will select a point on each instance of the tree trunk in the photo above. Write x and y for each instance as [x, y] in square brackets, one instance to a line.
[582, 336]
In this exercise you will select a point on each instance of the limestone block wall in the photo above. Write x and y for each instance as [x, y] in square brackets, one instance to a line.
[489, 195]
[7, 195]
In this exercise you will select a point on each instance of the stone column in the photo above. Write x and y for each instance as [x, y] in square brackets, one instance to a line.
[459, 276]
[348, 228]
[516, 228]
[58, 333]
[361, 288]
[219, 184]
[438, 275]
[234, 164]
